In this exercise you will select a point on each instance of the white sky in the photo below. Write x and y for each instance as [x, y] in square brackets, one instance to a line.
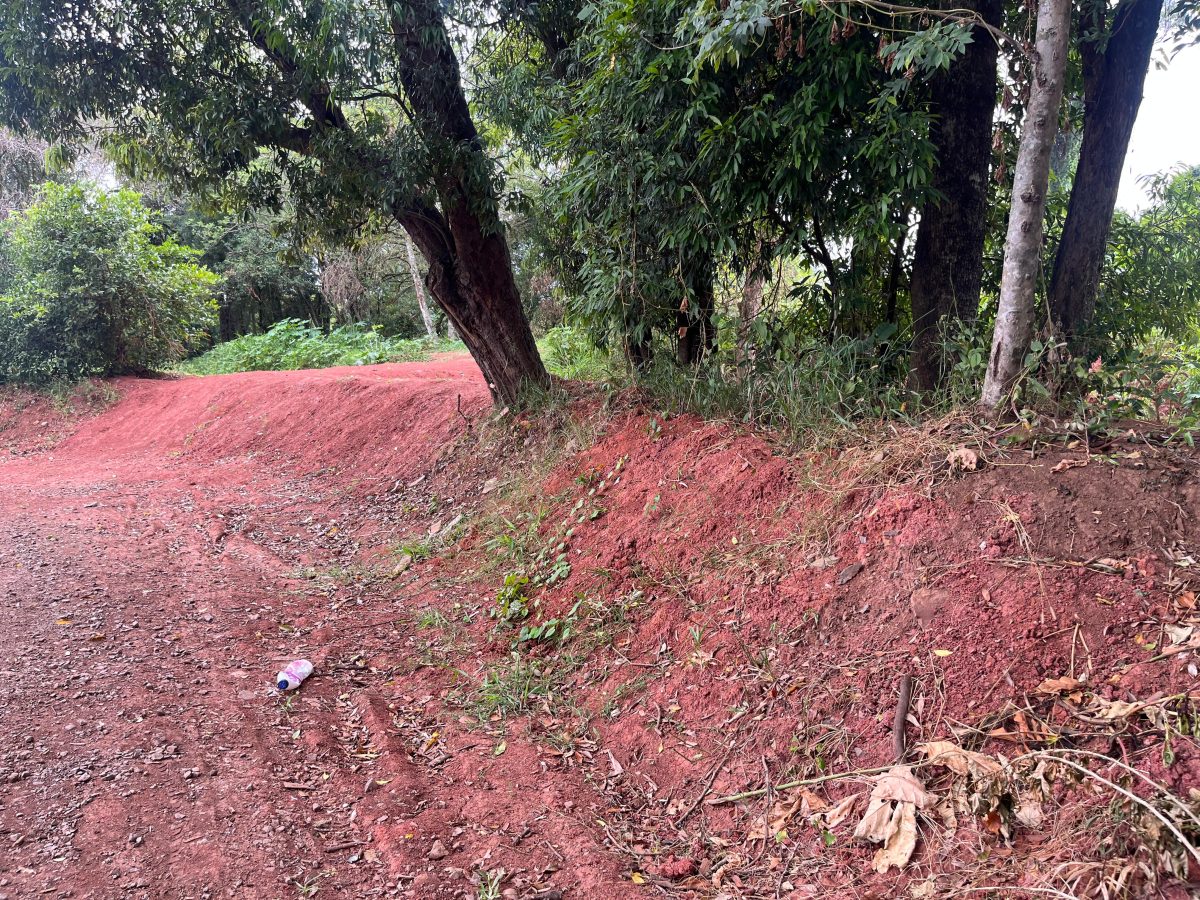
[1167, 132]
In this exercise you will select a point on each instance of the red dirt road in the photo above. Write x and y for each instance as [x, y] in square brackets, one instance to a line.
[150, 583]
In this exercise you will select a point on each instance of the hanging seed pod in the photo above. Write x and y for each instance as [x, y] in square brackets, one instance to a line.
[801, 46]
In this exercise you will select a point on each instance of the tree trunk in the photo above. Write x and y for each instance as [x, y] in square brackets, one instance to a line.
[1113, 82]
[470, 276]
[419, 288]
[895, 270]
[1023, 244]
[697, 330]
[640, 353]
[948, 256]
[470, 269]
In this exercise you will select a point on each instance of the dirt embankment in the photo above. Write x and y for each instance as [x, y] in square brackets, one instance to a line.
[704, 614]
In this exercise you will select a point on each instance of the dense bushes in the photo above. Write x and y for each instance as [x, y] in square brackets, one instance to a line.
[87, 287]
[295, 344]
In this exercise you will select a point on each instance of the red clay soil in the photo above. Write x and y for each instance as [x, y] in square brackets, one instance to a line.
[739, 615]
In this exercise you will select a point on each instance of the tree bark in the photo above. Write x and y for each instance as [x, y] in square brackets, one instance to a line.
[640, 353]
[470, 276]
[470, 269]
[895, 270]
[948, 256]
[1113, 81]
[419, 288]
[697, 330]
[1023, 245]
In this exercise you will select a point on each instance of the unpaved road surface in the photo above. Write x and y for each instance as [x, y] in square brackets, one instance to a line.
[152, 580]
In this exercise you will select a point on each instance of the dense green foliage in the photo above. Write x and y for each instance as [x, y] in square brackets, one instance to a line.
[811, 146]
[1151, 279]
[343, 113]
[740, 186]
[295, 344]
[92, 287]
[263, 278]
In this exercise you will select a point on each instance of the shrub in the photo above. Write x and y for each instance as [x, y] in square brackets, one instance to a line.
[295, 344]
[88, 289]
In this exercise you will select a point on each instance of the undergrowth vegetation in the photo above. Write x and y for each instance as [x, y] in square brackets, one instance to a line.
[295, 344]
[830, 392]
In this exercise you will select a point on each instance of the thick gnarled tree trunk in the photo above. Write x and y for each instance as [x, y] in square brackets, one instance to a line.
[470, 269]
[948, 257]
[1023, 244]
[470, 276]
[1113, 78]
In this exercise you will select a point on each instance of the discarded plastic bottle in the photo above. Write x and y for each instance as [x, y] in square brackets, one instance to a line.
[295, 672]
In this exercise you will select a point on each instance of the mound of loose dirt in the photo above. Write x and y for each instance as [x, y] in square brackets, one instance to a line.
[705, 614]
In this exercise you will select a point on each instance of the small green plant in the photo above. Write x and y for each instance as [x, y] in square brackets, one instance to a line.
[431, 618]
[417, 550]
[489, 885]
[512, 603]
[510, 688]
[296, 344]
[553, 631]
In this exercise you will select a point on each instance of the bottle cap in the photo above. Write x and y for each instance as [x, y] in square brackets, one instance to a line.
[283, 684]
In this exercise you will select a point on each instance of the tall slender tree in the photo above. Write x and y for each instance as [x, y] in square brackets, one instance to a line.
[419, 289]
[1031, 177]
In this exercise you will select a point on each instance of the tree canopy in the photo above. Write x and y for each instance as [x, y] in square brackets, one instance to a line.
[707, 182]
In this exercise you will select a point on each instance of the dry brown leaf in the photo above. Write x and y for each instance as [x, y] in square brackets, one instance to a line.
[803, 802]
[1179, 633]
[839, 813]
[1029, 813]
[945, 812]
[1115, 709]
[958, 760]
[1063, 685]
[1026, 730]
[891, 817]
[963, 459]
[876, 823]
[899, 847]
[992, 822]
[899, 783]
[1065, 464]
[812, 803]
